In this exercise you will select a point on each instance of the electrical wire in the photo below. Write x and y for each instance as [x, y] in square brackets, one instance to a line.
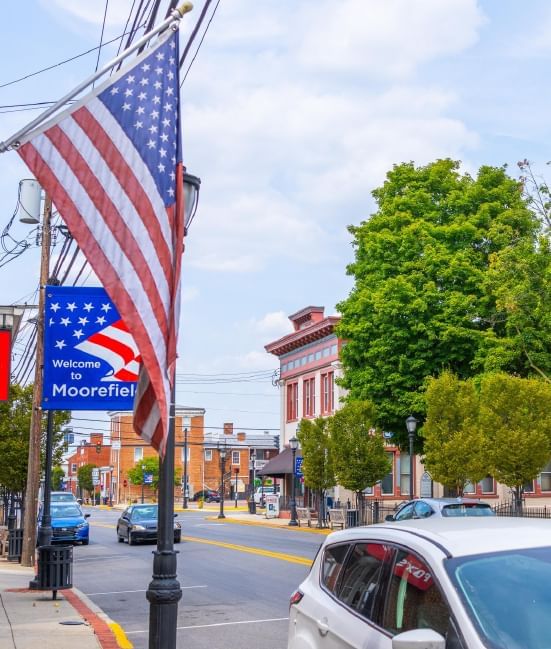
[200, 42]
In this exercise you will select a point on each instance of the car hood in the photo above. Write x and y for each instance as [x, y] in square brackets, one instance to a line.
[67, 522]
[149, 522]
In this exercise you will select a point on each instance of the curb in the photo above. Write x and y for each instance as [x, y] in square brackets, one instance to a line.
[110, 635]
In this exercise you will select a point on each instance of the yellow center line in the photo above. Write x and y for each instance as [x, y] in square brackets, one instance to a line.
[282, 556]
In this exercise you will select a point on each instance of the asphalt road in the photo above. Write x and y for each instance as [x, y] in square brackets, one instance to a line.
[233, 597]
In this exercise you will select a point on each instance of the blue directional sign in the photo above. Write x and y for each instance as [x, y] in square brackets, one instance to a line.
[148, 478]
[298, 467]
[91, 361]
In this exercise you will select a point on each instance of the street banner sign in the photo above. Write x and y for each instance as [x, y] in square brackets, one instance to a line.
[5, 363]
[91, 361]
[298, 467]
[148, 478]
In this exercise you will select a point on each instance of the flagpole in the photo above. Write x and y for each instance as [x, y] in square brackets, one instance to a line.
[175, 14]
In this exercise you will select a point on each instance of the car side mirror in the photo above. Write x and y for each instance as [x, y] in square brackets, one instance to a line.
[418, 639]
[389, 517]
[87, 515]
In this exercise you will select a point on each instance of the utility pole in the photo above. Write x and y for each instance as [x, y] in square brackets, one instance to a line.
[33, 467]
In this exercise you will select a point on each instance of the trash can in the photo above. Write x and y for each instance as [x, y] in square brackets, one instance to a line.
[15, 544]
[55, 568]
[252, 506]
[351, 518]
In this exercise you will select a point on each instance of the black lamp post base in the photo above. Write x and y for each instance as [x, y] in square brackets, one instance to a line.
[293, 523]
[163, 594]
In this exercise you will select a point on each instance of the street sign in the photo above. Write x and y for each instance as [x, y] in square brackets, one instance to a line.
[91, 362]
[95, 472]
[5, 363]
[148, 478]
[116, 445]
[298, 467]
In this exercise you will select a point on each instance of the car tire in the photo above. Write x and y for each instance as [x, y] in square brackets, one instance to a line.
[131, 540]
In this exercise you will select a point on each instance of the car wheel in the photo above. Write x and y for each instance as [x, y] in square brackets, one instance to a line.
[85, 541]
[131, 540]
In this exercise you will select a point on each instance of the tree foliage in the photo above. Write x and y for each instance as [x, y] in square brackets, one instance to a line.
[57, 478]
[317, 466]
[357, 448]
[84, 477]
[514, 414]
[455, 450]
[420, 302]
[148, 465]
[15, 422]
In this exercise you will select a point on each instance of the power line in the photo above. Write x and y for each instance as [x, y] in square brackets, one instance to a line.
[200, 42]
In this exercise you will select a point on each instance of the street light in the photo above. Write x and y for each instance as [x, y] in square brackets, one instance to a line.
[252, 504]
[222, 451]
[187, 423]
[411, 425]
[143, 479]
[293, 444]
[164, 591]
[236, 474]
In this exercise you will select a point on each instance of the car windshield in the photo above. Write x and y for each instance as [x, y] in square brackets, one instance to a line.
[144, 513]
[63, 498]
[507, 595]
[467, 509]
[65, 511]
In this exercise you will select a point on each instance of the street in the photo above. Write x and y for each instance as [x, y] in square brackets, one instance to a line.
[234, 595]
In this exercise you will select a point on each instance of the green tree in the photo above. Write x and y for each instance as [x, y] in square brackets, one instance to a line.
[15, 421]
[84, 477]
[514, 414]
[57, 478]
[149, 465]
[317, 466]
[455, 449]
[419, 302]
[357, 448]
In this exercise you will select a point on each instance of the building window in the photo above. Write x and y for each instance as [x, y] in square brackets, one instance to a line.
[469, 488]
[333, 350]
[318, 355]
[405, 471]
[327, 393]
[235, 458]
[138, 454]
[208, 455]
[309, 398]
[284, 367]
[528, 487]
[310, 358]
[487, 485]
[387, 483]
[184, 454]
[73, 468]
[292, 402]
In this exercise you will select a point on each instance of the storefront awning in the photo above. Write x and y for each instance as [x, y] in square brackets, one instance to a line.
[279, 466]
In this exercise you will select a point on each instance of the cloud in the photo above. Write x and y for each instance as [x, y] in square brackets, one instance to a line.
[275, 323]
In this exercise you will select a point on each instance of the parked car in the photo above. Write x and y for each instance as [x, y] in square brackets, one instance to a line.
[139, 523]
[69, 523]
[455, 583]
[443, 507]
[62, 497]
[208, 495]
[261, 493]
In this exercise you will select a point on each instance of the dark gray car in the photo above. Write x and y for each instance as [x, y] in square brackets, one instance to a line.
[441, 507]
[139, 523]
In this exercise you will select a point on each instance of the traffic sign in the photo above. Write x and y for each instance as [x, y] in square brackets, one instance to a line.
[95, 473]
[148, 478]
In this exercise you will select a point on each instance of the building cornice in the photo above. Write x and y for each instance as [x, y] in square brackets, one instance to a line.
[302, 337]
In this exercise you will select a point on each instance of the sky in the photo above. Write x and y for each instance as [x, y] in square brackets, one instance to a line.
[293, 112]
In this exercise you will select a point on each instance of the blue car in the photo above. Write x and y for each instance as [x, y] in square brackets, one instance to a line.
[69, 523]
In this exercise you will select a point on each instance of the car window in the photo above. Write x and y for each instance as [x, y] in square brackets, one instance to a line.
[361, 577]
[423, 509]
[405, 513]
[332, 563]
[467, 509]
[414, 600]
[63, 497]
[144, 513]
[64, 511]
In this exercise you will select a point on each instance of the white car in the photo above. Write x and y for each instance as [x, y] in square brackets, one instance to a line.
[437, 583]
[261, 493]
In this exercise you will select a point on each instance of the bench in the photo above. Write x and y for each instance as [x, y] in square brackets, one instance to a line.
[337, 518]
[307, 515]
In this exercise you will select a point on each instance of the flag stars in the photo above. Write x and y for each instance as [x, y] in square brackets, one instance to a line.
[114, 90]
[130, 78]
[144, 81]
[168, 107]
[55, 307]
[156, 99]
[161, 167]
[83, 321]
[170, 192]
[71, 306]
[170, 91]
[100, 320]
[166, 122]
[154, 114]
[162, 152]
[151, 144]
[153, 129]
[164, 137]
[88, 306]
[129, 92]
[60, 344]
[146, 67]
[65, 321]
[126, 106]
[78, 333]
[170, 75]
[140, 110]
[106, 307]
[138, 124]
[142, 96]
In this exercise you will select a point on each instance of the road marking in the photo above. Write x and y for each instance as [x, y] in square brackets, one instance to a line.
[99, 557]
[143, 590]
[206, 626]
[291, 558]
[120, 636]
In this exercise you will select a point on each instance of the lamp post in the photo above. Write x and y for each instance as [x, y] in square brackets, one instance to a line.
[44, 533]
[222, 452]
[143, 479]
[252, 504]
[236, 474]
[187, 423]
[411, 425]
[164, 590]
[293, 444]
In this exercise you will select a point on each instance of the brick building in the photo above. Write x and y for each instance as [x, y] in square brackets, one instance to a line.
[94, 452]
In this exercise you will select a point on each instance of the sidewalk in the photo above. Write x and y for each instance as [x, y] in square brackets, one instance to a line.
[31, 619]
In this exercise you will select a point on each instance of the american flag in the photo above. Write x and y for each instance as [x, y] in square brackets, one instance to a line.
[112, 166]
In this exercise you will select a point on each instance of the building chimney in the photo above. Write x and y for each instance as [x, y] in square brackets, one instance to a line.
[241, 437]
[228, 428]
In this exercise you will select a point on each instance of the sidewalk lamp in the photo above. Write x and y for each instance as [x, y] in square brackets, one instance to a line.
[236, 470]
[252, 504]
[187, 424]
[222, 451]
[143, 480]
[293, 444]
[411, 425]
